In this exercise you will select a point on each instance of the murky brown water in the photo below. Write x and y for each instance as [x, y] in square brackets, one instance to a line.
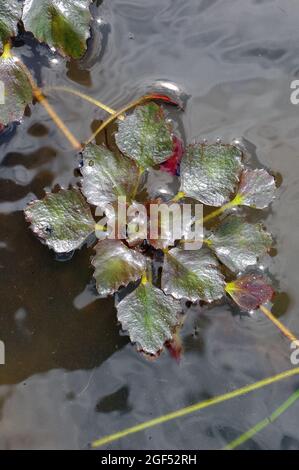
[70, 375]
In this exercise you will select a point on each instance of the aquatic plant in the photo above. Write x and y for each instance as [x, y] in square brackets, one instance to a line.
[212, 174]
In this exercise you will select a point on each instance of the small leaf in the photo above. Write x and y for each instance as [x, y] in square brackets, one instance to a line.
[10, 14]
[257, 188]
[17, 90]
[172, 165]
[63, 24]
[238, 244]
[193, 275]
[210, 173]
[106, 175]
[145, 136]
[115, 266]
[250, 291]
[63, 220]
[149, 316]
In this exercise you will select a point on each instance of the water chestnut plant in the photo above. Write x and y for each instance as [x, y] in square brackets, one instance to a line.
[149, 301]
[212, 174]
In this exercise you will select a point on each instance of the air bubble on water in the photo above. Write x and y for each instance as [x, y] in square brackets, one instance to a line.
[218, 140]
[131, 36]
[54, 61]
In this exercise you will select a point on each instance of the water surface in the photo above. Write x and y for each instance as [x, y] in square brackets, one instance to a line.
[71, 375]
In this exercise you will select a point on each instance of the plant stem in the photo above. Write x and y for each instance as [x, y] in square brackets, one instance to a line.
[198, 406]
[178, 196]
[264, 423]
[6, 54]
[37, 93]
[229, 205]
[278, 324]
[83, 96]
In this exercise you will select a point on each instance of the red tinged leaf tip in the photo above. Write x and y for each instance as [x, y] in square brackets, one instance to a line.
[161, 97]
[175, 347]
[250, 291]
[172, 164]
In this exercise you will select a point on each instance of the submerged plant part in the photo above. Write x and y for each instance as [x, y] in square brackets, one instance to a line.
[214, 174]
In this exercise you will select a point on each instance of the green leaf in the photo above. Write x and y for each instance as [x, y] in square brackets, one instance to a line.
[106, 175]
[238, 244]
[250, 291]
[17, 90]
[193, 275]
[115, 266]
[63, 24]
[63, 220]
[149, 316]
[10, 14]
[210, 173]
[257, 189]
[145, 136]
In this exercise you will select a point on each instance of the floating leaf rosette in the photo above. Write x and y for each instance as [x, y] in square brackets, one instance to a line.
[210, 173]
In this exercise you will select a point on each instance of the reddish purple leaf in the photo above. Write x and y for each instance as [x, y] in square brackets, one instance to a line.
[250, 291]
[172, 164]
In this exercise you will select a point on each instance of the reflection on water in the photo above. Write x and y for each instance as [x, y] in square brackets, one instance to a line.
[70, 374]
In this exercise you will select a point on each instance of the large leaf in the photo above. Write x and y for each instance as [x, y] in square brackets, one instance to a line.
[145, 136]
[210, 173]
[257, 188]
[149, 316]
[193, 275]
[106, 175]
[238, 244]
[250, 291]
[63, 220]
[17, 90]
[63, 24]
[10, 14]
[115, 266]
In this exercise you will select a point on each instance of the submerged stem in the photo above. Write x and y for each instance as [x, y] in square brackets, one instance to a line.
[37, 93]
[285, 331]
[264, 423]
[85, 97]
[198, 406]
